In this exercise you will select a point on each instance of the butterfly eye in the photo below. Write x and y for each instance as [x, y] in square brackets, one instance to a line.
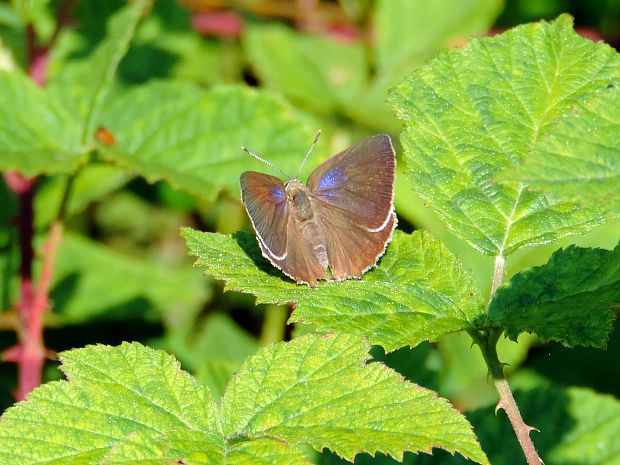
[333, 178]
[276, 194]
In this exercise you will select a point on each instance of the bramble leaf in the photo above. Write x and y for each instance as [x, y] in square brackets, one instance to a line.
[472, 113]
[132, 405]
[569, 299]
[280, 393]
[418, 292]
[580, 162]
[115, 397]
[193, 139]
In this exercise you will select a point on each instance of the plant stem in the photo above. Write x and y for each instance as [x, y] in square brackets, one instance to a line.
[487, 341]
[32, 348]
[274, 324]
[499, 272]
[24, 188]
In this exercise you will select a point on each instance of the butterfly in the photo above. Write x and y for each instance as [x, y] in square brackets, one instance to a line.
[337, 225]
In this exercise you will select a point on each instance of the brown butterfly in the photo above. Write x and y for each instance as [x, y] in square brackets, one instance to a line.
[335, 227]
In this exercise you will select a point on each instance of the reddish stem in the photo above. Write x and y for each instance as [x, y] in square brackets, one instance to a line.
[487, 342]
[24, 188]
[32, 351]
[522, 431]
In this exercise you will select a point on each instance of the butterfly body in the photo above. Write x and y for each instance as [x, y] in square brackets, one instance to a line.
[335, 227]
[302, 207]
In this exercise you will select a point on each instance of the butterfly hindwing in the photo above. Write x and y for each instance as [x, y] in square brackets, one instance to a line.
[351, 248]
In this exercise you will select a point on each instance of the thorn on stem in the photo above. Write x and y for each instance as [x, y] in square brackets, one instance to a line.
[12, 354]
[531, 428]
[500, 405]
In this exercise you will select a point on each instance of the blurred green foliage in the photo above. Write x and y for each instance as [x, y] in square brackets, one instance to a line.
[123, 272]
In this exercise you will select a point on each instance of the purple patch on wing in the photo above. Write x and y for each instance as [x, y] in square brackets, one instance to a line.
[333, 178]
[276, 194]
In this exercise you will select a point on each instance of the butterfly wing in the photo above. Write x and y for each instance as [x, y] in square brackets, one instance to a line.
[279, 234]
[353, 200]
[359, 182]
[264, 198]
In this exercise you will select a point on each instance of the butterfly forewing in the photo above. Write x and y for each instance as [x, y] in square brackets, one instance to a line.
[264, 198]
[359, 181]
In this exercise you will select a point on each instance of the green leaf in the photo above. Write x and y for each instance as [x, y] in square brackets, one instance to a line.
[576, 161]
[472, 113]
[411, 31]
[84, 85]
[117, 397]
[92, 183]
[176, 447]
[49, 143]
[167, 46]
[320, 73]
[123, 286]
[267, 452]
[178, 133]
[418, 292]
[570, 299]
[280, 393]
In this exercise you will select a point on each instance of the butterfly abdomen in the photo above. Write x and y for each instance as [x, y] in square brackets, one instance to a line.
[303, 213]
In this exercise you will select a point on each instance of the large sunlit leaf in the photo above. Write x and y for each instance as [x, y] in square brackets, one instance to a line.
[581, 162]
[192, 138]
[471, 113]
[281, 393]
[132, 405]
[116, 398]
[569, 299]
[418, 292]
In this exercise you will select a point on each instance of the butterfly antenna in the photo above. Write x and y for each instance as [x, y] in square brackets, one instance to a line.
[268, 163]
[316, 139]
